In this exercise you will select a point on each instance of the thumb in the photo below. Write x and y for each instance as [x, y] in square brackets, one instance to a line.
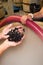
[5, 37]
[9, 26]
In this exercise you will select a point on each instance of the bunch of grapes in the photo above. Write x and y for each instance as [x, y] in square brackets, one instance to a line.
[15, 35]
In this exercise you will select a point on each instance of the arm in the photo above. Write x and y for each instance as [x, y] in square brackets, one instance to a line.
[38, 14]
[3, 47]
[30, 16]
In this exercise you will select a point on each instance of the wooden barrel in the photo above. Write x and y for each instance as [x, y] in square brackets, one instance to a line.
[26, 6]
[17, 3]
[41, 3]
[2, 13]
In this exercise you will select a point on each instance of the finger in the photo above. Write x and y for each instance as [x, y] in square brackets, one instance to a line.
[23, 19]
[19, 43]
[20, 29]
[9, 26]
[29, 17]
[6, 31]
[19, 26]
[23, 37]
[5, 37]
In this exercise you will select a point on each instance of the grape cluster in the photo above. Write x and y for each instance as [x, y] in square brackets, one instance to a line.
[15, 35]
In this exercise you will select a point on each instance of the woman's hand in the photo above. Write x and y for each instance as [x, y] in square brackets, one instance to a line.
[12, 43]
[6, 44]
[39, 14]
[25, 17]
[5, 31]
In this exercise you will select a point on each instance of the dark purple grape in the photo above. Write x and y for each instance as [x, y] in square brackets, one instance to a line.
[15, 35]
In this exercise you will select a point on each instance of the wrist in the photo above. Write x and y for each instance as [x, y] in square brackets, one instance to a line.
[30, 14]
[6, 45]
[3, 47]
